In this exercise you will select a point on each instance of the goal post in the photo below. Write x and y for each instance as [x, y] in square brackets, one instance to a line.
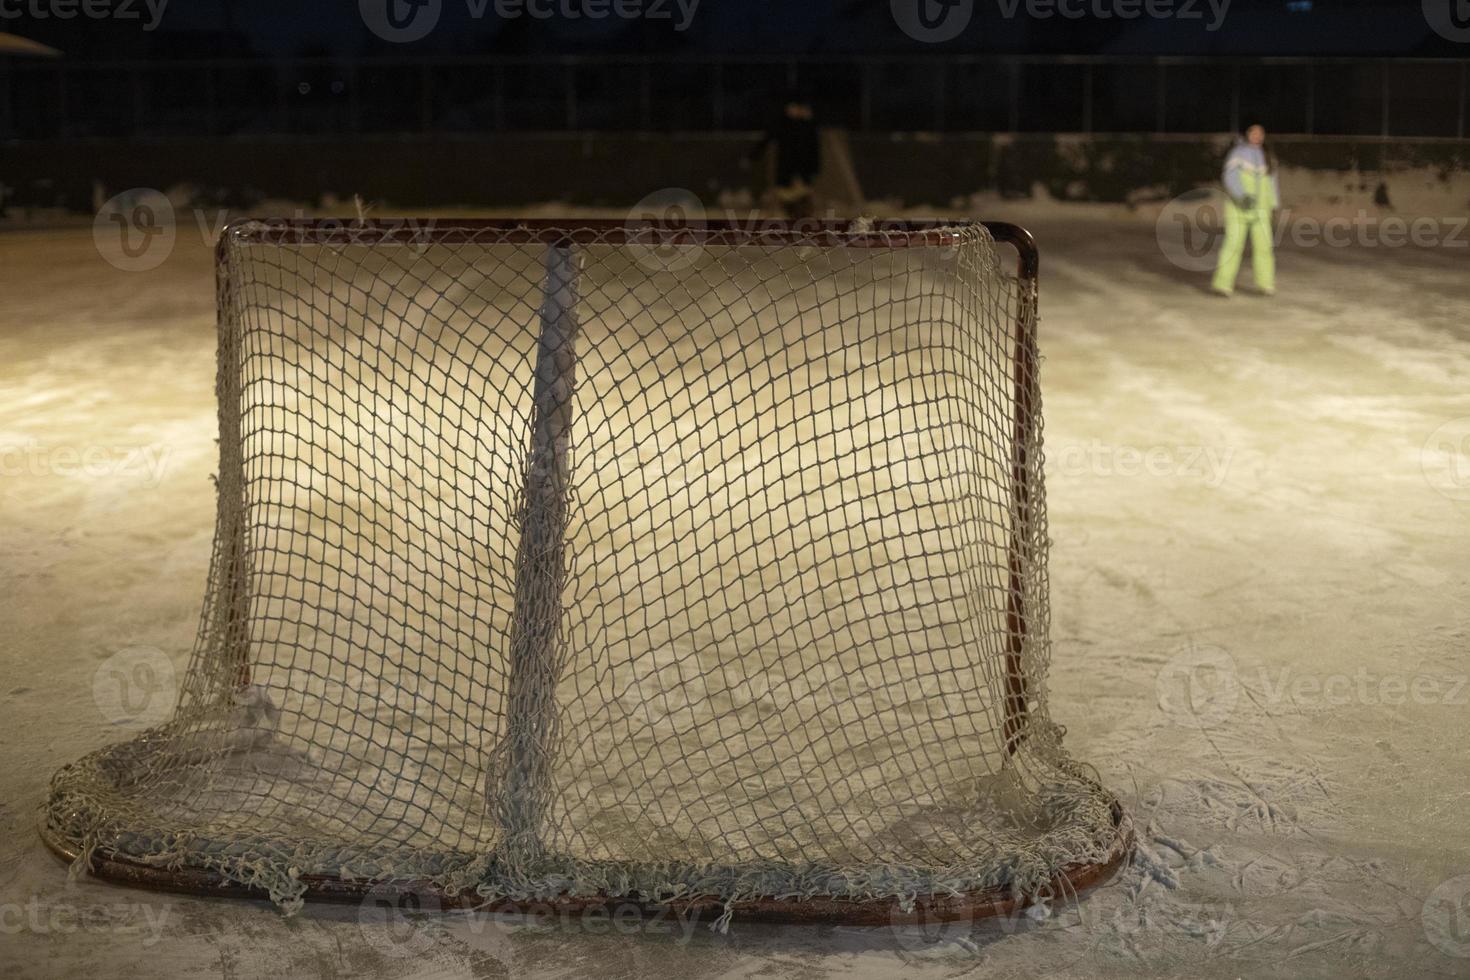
[524, 779]
[699, 565]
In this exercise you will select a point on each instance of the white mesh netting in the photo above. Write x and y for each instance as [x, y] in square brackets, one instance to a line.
[569, 562]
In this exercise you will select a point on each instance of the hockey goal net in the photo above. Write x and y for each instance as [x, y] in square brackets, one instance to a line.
[591, 562]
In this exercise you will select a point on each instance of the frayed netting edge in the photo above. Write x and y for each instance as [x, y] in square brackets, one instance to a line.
[1079, 814]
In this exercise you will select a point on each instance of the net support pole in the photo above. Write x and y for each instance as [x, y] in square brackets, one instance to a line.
[230, 618]
[525, 756]
[1021, 554]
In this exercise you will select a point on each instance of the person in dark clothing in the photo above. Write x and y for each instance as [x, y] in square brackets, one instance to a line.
[798, 156]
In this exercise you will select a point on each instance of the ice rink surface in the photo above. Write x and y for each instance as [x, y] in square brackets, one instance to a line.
[1260, 511]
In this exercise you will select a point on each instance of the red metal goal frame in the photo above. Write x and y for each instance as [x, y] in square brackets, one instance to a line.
[998, 900]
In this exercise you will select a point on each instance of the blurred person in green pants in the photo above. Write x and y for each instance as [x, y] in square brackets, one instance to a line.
[1251, 195]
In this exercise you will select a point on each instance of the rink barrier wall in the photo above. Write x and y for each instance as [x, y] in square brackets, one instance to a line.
[610, 170]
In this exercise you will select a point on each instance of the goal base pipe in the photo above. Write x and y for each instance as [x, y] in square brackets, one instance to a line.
[556, 234]
[1068, 882]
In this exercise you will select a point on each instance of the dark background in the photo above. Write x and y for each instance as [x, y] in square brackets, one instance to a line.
[295, 99]
[277, 28]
